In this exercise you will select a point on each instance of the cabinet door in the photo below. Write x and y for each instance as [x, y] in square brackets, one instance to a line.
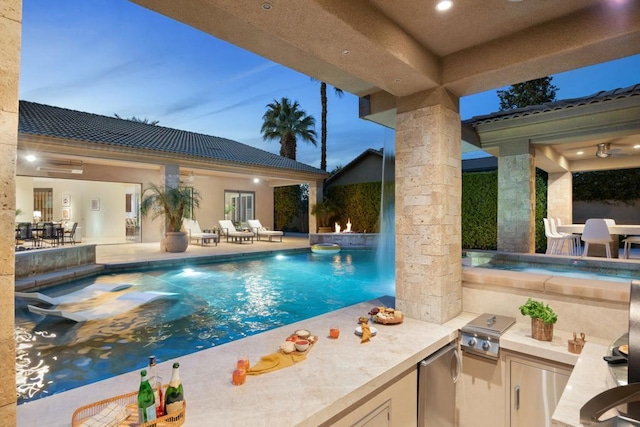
[535, 391]
[380, 417]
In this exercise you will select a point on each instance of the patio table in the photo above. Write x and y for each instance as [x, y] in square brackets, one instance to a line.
[615, 230]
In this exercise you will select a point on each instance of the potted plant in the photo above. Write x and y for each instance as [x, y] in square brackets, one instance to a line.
[542, 319]
[323, 211]
[172, 203]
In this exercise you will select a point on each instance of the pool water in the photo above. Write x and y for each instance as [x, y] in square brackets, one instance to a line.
[216, 303]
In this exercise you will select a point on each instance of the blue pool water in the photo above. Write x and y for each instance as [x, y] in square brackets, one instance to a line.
[216, 304]
[577, 272]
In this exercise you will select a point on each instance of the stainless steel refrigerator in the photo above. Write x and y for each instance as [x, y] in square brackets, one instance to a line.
[437, 376]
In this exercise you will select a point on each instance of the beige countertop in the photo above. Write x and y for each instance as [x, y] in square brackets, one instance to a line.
[335, 375]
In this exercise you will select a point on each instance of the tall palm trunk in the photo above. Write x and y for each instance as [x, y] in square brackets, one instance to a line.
[288, 146]
[323, 131]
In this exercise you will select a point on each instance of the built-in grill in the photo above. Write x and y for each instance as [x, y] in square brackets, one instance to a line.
[481, 336]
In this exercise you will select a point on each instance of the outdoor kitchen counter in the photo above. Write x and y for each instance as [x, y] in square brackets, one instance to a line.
[336, 375]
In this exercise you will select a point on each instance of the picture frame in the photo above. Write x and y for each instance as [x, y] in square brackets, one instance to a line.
[66, 213]
[66, 200]
[94, 204]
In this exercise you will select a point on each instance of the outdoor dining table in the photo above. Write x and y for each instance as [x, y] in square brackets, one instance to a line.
[615, 230]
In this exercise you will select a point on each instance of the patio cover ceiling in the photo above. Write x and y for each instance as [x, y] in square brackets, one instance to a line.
[382, 50]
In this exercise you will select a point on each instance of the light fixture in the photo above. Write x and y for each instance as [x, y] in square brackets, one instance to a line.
[580, 153]
[57, 169]
[603, 150]
[637, 146]
[346, 52]
[30, 158]
[36, 216]
[266, 6]
[256, 180]
[444, 5]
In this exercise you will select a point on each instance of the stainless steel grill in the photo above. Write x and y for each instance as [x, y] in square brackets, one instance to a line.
[481, 336]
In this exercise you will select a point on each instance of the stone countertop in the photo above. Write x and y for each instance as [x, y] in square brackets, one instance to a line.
[335, 375]
[590, 377]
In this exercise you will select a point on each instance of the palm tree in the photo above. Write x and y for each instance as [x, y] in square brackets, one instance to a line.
[323, 131]
[138, 120]
[286, 122]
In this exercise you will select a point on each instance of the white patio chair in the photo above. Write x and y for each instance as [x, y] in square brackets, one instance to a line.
[630, 240]
[228, 229]
[195, 233]
[596, 232]
[572, 240]
[259, 230]
[555, 242]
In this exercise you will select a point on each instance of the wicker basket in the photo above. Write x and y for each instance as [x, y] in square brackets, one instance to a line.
[541, 331]
[130, 400]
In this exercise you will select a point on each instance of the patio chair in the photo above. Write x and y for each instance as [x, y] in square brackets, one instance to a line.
[24, 233]
[596, 232]
[195, 233]
[229, 230]
[555, 242]
[259, 230]
[50, 234]
[573, 240]
[630, 240]
[68, 236]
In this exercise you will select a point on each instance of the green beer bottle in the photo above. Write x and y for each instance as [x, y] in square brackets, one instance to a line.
[174, 396]
[146, 401]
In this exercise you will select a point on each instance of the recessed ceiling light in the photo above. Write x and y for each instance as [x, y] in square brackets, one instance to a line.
[397, 80]
[31, 158]
[580, 153]
[266, 6]
[346, 52]
[444, 5]
[637, 146]
[256, 180]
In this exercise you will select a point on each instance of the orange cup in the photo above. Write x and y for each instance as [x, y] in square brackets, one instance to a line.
[334, 332]
[243, 363]
[239, 376]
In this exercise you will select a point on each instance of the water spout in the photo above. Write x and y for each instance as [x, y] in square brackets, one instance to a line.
[386, 250]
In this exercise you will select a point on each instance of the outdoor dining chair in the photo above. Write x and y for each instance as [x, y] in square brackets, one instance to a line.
[596, 232]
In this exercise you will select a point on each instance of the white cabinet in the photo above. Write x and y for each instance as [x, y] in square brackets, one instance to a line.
[394, 404]
[535, 389]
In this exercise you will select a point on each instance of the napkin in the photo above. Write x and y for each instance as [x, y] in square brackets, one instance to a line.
[366, 332]
[274, 361]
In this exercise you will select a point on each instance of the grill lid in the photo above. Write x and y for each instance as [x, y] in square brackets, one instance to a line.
[490, 323]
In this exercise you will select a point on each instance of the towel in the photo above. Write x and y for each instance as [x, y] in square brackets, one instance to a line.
[273, 362]
[366, 332]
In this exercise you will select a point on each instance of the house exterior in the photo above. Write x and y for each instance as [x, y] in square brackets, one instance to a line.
[93, 169]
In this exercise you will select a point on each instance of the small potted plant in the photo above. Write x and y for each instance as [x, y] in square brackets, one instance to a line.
[542, 319]
[323, 211]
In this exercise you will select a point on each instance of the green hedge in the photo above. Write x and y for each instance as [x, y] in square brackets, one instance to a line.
[359, 203]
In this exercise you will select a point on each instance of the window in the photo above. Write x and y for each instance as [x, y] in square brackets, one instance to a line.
[238, 205]
[43, 202]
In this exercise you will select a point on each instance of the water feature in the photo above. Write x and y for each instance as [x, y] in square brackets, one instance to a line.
[216, 303]
[386, 249]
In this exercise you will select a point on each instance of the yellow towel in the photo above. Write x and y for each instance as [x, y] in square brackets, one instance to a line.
[366, 332]
[273, 362]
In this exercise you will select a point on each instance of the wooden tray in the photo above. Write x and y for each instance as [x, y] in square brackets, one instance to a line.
[302, 352]
[130, 400]
[393, 321]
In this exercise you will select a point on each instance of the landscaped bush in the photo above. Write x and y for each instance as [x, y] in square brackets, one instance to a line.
[359, 203]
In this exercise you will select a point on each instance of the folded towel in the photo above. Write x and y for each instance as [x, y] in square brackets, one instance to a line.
[366, 332]
[273, 362]
[110, 416]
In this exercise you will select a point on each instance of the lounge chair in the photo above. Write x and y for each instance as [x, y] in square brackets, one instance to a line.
[119, 305]
[259, 230]
[195, 233]
[86, 293]
[228, 229]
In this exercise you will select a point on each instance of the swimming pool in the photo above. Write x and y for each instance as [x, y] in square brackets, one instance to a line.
[216, 303]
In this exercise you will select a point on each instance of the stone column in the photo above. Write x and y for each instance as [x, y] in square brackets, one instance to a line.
[315, 196]
[516, 198]
[560, 196]
[10, 28]
[428, 207]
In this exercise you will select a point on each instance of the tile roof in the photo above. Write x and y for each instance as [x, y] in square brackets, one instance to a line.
[602, 96]
[46, 120]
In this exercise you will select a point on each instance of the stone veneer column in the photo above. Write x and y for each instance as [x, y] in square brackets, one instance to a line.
[560, 196]
[428, 213]
[516, 198]
[10, 33]
[315, 196]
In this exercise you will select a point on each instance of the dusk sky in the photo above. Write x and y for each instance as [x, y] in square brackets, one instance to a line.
[114, 57]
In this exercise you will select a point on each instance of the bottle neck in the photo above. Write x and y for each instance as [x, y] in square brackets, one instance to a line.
[175, 377]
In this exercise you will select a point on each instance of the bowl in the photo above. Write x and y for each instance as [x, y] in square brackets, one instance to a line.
[302, 345]
[303, 334]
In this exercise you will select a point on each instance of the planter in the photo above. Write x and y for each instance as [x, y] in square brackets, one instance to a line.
[541, 331]
[176, 241]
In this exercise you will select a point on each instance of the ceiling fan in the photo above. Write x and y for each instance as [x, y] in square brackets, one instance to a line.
[604, 150]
